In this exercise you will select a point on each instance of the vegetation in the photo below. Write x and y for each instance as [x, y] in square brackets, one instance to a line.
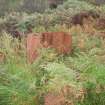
[83, 71]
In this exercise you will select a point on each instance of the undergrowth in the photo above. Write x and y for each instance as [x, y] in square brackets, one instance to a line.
[27, 84]
[82, 70]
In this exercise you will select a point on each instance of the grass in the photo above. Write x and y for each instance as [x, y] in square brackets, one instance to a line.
[82, 70]
[24, 84]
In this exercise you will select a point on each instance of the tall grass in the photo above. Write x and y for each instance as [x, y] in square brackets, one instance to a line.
[27, 84]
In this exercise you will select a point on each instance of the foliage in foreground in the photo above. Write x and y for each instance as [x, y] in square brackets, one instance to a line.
[27, 84]
[22, 83]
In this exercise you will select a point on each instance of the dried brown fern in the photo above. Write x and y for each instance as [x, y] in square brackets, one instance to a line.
[67, 96]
